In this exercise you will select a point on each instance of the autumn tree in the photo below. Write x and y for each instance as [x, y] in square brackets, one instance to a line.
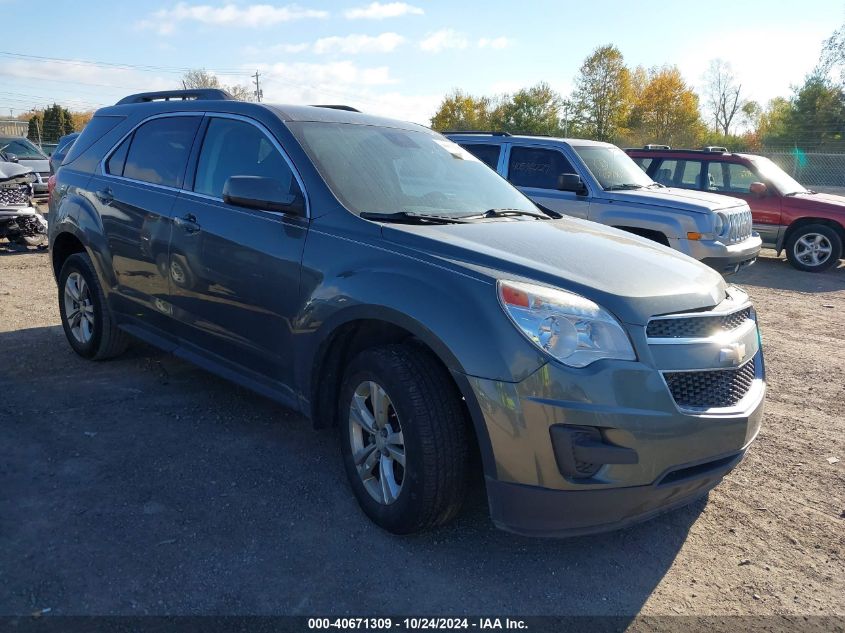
[666, 111]
[49, 125]
[723, 95]
[201, 78]
[535, 110]
[602, 93]
[462, 111]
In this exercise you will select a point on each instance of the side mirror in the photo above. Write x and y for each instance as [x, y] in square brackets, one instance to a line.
[571, 182]
[12, 158]
[758, 188]
[263, 194]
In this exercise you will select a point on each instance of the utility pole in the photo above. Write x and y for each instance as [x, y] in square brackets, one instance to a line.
[258, 92]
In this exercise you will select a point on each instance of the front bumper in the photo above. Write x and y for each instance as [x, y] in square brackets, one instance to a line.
[680, 455]
[725, 258]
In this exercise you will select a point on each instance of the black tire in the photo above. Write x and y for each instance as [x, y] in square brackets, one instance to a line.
[107, 340]
[428, 406]
[829, 237]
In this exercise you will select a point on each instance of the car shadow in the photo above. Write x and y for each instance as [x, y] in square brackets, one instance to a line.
[770, 271]
[143, 485]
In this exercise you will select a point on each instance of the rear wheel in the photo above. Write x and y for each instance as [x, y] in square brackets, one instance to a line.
[814, 248]
[403, 438]
[89, 325]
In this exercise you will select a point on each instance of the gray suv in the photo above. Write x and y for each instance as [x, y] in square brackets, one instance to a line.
[599, 182]
[376, 277]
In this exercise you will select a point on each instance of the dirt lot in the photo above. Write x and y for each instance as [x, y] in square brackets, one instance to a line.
[146, 486]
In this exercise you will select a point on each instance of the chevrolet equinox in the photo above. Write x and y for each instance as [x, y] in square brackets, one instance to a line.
[380, 279]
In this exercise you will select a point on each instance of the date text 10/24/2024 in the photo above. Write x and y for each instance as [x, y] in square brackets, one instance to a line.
[419, 623]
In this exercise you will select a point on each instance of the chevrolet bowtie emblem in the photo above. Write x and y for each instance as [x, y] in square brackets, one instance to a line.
[733, 353]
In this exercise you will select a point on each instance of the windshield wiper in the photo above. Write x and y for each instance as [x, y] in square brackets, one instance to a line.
[627, 185]
[409, 217]
[656, 184]
[795, 193]
[504, 213]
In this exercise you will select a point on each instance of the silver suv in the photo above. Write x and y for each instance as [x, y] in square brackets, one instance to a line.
[599, 182]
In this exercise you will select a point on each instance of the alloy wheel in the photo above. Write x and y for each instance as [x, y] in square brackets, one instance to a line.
[812, 249]
[378, 447]
[79, 309]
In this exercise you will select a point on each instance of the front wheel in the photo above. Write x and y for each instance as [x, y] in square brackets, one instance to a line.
[814, 248]
[403, 438]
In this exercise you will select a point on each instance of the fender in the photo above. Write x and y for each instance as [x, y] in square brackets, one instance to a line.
[670, 224]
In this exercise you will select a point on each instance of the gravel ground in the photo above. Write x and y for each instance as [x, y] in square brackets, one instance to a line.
[145, 486]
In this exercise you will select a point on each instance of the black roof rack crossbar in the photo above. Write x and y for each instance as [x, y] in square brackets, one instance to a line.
[490, 132]
[337, 107]
[197, 94]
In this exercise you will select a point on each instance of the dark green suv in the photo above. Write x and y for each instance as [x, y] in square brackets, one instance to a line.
[378, 278]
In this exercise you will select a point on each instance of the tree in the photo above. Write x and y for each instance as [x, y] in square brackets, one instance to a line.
[535, 110]
[602, 92]
[722, 94]
[34, 130]
[201, 78]
[50, 125]
[818, 114]
[666, 111]
[462, 111]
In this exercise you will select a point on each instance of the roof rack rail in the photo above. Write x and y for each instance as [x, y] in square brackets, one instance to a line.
[656, 146]
[715, 148]
[197, 94]
[490, 132]
[337, 107]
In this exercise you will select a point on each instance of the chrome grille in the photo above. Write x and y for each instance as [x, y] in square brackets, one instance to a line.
[697, 326]
[14, 196]
[739, 225]
[717, 388]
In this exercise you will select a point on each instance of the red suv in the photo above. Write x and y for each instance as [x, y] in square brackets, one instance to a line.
[810, 226]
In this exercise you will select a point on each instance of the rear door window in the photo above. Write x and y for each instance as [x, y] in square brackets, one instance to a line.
[159, 150]
[537, 167]
[644, 162]
[117, 160]
[487, 154]
[685, 174]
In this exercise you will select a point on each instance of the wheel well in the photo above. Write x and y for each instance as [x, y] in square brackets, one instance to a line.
[346, 342]
[65, 245]
[840, 230]
[655, 236]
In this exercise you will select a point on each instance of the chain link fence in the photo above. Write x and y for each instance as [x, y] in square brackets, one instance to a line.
[817, 171]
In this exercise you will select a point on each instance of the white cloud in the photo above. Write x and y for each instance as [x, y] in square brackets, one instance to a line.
[324, 76]
[379, 11]
[444, 39]
[165, 21]
[352, 44]
[347, 45]
[497, 43]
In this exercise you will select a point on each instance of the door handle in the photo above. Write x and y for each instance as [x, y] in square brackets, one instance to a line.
[105, 196]
[188, 222]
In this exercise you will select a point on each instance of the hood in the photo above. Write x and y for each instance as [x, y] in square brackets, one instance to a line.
[673, 198]
[12, 170]
[40, 165]
[632, 277]
[810, 200]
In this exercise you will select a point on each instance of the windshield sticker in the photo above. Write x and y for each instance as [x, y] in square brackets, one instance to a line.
[455, 150]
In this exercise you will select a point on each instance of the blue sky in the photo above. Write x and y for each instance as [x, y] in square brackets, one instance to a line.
[392, 58]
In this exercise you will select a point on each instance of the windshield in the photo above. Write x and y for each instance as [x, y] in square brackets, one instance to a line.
[374, 169]
[612, 167]
[21, 148]
[777, 177]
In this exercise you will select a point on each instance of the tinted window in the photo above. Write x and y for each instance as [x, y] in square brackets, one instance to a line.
[690, 177]
[21, 147]
[237, 148]
[487, 154]
[114, 166]
[159, 150]
[93, 132]
[643, 162]
[535, 167]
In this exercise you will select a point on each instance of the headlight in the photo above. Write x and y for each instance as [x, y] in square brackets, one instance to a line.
[568, 327]
[720, 223]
